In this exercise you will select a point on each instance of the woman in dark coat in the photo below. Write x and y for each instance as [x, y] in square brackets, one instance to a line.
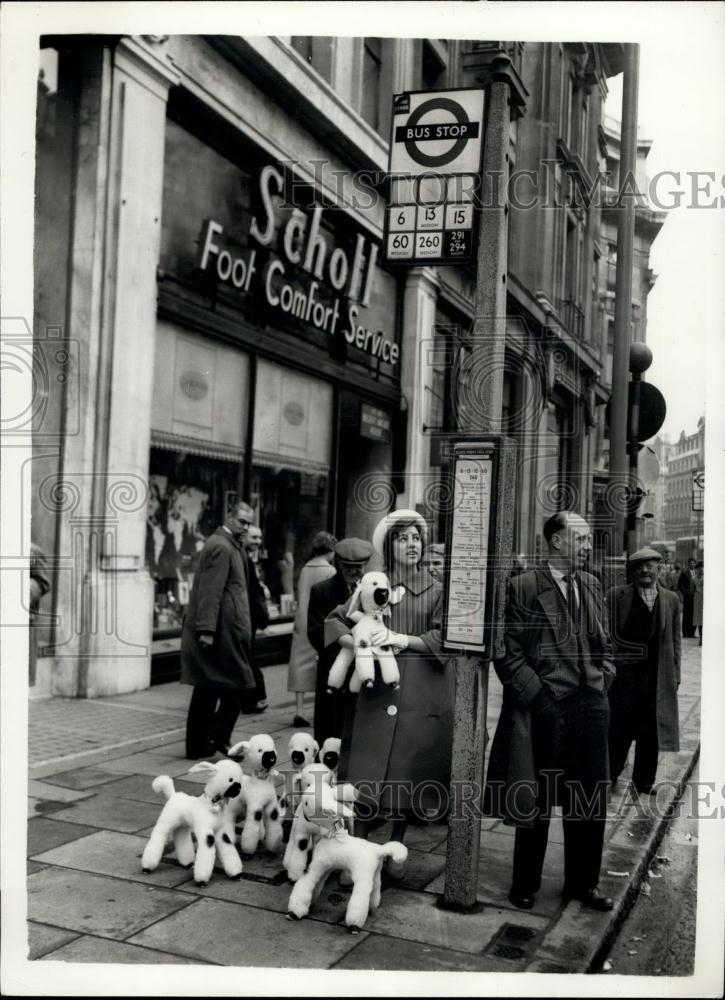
[396, 744]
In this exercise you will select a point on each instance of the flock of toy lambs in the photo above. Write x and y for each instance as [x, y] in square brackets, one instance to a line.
[320, 839]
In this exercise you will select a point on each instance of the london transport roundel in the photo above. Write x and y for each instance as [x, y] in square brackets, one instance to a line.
[439, 131]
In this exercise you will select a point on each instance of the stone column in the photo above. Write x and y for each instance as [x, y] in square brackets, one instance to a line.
[104, 643]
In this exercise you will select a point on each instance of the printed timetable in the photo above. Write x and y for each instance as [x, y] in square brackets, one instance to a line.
[466, 591]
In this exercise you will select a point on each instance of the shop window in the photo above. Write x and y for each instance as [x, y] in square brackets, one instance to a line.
[293, 424]
[189, 496]
[199, 426]
[364, 473]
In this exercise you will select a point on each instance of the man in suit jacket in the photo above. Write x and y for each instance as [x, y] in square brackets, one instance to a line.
[255, 701]
[351, 557]
[550, 745]
[644, 618]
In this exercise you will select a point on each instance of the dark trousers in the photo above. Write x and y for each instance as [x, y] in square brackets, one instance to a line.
[330, 709]
[210, 721]
[249, 699]
[569, 740]
[688, 607]
[632, 701]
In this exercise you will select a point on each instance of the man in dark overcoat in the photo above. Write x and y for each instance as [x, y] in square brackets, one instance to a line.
[644, 619]
[351, 558]
[255, 701]
[216, 638]
[550, 745]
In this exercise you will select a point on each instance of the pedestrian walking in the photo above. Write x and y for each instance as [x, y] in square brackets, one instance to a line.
[396, 744]
[351, 557]
[255, 701]
[686, 587]
[644, 620]
[39, 587]
[302, 669]
[216, 641]
[697, 602]
[550, 746]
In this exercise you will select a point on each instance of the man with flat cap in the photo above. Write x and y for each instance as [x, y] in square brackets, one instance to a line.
[351, 557]
[644, 621]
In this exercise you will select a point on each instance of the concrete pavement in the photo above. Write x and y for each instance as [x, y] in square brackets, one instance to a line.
[91, 809]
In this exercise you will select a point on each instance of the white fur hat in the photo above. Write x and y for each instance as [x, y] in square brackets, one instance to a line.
[398, 517]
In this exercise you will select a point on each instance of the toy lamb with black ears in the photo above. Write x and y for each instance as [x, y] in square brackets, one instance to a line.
[258, 799]
[338, 850]
[305, 831]
[369, 606]
[209, 817]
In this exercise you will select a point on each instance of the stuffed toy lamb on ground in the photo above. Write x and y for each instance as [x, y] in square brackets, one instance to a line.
[258, 801]
[305, 831]
[338, 850]
[209, 817]
[369, 607]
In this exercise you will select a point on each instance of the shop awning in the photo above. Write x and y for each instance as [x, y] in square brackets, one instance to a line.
[196, 446]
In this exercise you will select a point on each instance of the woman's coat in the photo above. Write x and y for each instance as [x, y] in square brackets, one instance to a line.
[396, 744]
[302, 670]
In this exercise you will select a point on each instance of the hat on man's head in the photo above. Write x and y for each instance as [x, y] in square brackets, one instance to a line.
[353, 550]
[644, 555]
[391, 520]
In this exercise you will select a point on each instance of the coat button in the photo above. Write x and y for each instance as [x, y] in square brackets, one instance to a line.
[392, 710]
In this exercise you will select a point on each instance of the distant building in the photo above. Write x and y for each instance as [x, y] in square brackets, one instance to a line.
[647, 226]
[687, 457]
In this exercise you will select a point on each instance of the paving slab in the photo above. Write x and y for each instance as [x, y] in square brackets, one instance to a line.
[229, 934]
[94, 904]
[54, 793]
[33, 866]
[44, 834]
[82, 777]
[138, 787]
[385, 954]
[42, 939]
[93, 949]
[415, 916]
[426, 838]
[108, 812]
[421, 868]
[147, 762]
[114, 854]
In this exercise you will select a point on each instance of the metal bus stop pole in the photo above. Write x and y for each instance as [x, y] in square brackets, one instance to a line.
[482, 415]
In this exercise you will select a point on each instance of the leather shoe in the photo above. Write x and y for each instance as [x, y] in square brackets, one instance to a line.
[521, 901]
[591, 898]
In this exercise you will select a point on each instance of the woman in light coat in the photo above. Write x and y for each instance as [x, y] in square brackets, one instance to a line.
[302, 670]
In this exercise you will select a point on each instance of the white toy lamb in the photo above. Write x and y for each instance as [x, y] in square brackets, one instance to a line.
[369, 606]
[337, 850]
[258, 798]
[305, 831]
[329, 754]
[208, 816]
[303, 750]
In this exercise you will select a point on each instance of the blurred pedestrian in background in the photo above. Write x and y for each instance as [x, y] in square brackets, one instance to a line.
[351, 557]
[686, 587]
[39, 587]
[255, 701]
[302, 670]
[697, 602]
